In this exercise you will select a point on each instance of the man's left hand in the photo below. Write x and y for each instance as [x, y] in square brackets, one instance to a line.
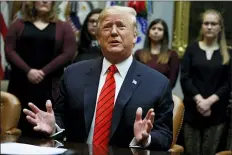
[143, 127]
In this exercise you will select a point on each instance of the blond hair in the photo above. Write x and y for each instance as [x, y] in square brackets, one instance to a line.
[221, 38]
[28, 13]
[130, 12]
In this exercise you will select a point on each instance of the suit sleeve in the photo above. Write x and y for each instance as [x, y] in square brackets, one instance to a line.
[186, 80]
[161, 135]
[60, 106]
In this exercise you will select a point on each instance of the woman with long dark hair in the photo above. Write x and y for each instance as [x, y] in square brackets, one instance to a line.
[88, 47]
[156, 53]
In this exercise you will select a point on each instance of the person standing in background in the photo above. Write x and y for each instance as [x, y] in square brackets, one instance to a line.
[88, 47]
[38, 47]
[205, 84]
[156, 53]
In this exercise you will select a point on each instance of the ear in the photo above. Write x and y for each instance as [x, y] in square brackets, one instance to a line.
[98, 37]
[135, 37]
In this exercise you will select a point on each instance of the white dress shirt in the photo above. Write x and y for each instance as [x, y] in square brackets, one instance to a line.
[119, 77]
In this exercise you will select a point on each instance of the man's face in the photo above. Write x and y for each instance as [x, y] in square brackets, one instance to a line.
[116, 37]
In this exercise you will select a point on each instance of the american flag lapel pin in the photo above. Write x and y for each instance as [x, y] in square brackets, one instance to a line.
[134, 82]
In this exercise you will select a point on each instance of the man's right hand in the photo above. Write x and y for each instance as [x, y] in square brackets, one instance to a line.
[43, 121]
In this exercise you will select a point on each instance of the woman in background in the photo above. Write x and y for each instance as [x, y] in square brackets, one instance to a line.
[38, 47]
[88, 46]
[205, 84]
[156, 53]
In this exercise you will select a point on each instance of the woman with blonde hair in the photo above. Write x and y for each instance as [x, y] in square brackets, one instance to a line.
[205, 84]
[156, 53]
[38, 47]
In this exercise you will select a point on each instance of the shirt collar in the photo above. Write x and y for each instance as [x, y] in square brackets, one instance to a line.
[122, 67]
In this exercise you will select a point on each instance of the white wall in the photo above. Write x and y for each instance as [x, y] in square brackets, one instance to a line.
[165, 11]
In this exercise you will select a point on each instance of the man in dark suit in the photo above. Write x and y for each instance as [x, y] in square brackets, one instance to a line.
[115, 100]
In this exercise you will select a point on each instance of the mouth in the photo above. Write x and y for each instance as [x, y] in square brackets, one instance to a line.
[114, 42]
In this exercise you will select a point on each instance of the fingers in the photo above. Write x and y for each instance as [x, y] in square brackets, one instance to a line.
[199, 109]
[198, 102]
[207, 113]
[34, 108]
[139, 113]
[39, 79]
[31, 120]
[49, 106]
[41, 73]
[29, 113]
[35, 76]
[145, 135]
[149, 126]
[149, 113]
[37, 128]
[152, 117]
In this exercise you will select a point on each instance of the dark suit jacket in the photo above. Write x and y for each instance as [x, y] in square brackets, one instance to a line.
[75, 108]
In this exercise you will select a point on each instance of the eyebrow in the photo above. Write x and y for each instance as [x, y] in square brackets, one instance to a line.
[117, 22]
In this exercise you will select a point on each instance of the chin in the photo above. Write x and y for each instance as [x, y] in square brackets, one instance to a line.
[210, 36]
[115, 50]
[44, 10]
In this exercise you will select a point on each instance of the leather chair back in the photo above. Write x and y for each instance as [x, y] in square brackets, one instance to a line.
[178, 115]
[224, 153]
[10, 113]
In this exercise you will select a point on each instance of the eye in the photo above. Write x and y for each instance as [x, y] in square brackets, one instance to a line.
[214, 23]
[210, 23]
[160, 29]
[206, 23]
[121, 26]
[107, 26]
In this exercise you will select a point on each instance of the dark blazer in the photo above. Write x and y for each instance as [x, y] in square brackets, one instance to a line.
[78, 91]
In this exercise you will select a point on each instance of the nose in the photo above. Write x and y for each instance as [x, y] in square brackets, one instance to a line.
[94, 24]
[155, 31]
[114, 30]
[44, 2]
[209, 26]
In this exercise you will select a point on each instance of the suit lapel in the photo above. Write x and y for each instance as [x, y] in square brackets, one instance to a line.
[90, 94]
[128, 87]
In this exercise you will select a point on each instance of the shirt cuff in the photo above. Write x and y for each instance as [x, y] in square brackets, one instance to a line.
[58, 144]
[133, 143]
[57, 131]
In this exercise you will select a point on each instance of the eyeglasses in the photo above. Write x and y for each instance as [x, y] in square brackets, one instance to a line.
[92, 21]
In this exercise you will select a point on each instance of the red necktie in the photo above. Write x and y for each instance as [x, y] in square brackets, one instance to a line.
[105, 106]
